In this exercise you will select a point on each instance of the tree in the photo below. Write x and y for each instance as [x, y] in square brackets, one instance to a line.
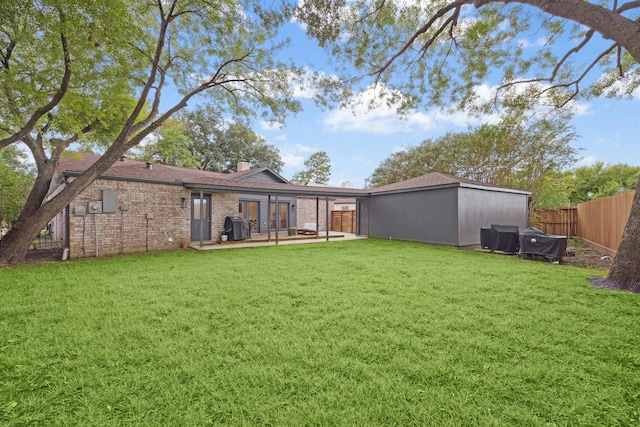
[16, 180]
[170, 146]
[520, 153]
[95, 73]
[219, 146]
[317, 170]
[440, 52]
[200, 140]
[599, 180]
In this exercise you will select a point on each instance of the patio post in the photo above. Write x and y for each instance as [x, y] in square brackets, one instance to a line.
[326, 200]
[269, 218]
[317, 216]
[201, 216]
[277, 219]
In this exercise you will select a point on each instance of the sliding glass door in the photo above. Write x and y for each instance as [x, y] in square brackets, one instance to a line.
[283, 209]
[251, 212]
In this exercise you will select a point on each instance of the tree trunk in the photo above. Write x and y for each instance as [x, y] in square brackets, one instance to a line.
[37, 213]
[14, 246]
[625, 271]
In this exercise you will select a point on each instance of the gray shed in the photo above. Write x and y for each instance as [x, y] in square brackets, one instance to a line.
[442, 209]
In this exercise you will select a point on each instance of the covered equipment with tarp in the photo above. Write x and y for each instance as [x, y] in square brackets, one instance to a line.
[536, 242]
[237, 228]
[503, 238]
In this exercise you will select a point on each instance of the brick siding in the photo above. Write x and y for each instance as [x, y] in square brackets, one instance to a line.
[306, 212]
[131, 230]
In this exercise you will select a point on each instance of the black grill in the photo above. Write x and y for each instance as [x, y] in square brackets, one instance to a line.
[237, 228]
[535, 242]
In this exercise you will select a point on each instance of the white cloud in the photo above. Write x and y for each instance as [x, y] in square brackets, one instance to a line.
[294, 155]
[541, 41]
[586, 161]
[265, 125]
[376, 111]
[398, 149]
[293, 160]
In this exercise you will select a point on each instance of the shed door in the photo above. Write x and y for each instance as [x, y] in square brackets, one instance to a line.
[200, 217]
[363, 218]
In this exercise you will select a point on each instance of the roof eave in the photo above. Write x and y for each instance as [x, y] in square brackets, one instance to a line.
[302, 191]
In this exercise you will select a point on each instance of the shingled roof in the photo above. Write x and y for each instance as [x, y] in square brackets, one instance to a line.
[196, 180]
[432, 179]
[74, 164]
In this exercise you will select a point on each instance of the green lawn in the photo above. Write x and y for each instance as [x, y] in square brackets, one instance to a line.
[353, 333]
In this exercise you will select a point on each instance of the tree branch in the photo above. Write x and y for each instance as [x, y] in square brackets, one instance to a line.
[441, 12]
[55, 100]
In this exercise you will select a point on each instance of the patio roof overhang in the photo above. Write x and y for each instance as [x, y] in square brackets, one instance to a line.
[273, 189]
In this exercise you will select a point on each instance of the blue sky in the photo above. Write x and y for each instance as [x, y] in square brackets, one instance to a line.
[357, 142]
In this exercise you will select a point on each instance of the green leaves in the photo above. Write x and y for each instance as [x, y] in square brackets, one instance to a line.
[16, 180]
[515, 153]
[441, 51]
[317, 170]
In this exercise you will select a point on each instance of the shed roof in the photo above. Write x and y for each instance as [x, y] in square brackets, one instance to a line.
[438, 179]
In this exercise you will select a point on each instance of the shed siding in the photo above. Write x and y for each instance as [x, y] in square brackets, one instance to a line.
[428, 216]
[481, 208]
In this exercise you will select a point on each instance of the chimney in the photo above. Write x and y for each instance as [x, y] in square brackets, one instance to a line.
[243, 166]
[149, 165]
[347, 184]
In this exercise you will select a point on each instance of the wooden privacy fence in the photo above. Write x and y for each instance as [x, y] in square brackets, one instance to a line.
[562, 221]
[343, 221]
[601, 222]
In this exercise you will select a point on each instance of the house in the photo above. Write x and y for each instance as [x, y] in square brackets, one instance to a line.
[137, 206]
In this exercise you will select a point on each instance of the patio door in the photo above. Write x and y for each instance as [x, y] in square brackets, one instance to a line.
[251, 212]
[283, 209]
[200, 217]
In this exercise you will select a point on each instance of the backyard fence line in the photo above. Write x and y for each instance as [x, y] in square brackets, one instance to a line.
[601, 222]
[343, 221]
[562, 221]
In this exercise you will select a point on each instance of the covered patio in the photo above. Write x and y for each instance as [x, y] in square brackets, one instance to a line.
[283, 238]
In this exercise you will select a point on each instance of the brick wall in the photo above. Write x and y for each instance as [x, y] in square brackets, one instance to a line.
[222, 206]
[131, 230]
[306, 211]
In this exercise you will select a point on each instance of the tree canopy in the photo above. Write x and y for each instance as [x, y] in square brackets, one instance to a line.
[16, 179]
[601, 180]
[96, 73]
[200, 140]
[317, 170]
[442, 51]
[514, 153]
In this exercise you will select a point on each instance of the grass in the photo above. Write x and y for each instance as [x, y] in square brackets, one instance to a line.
[347, 333]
